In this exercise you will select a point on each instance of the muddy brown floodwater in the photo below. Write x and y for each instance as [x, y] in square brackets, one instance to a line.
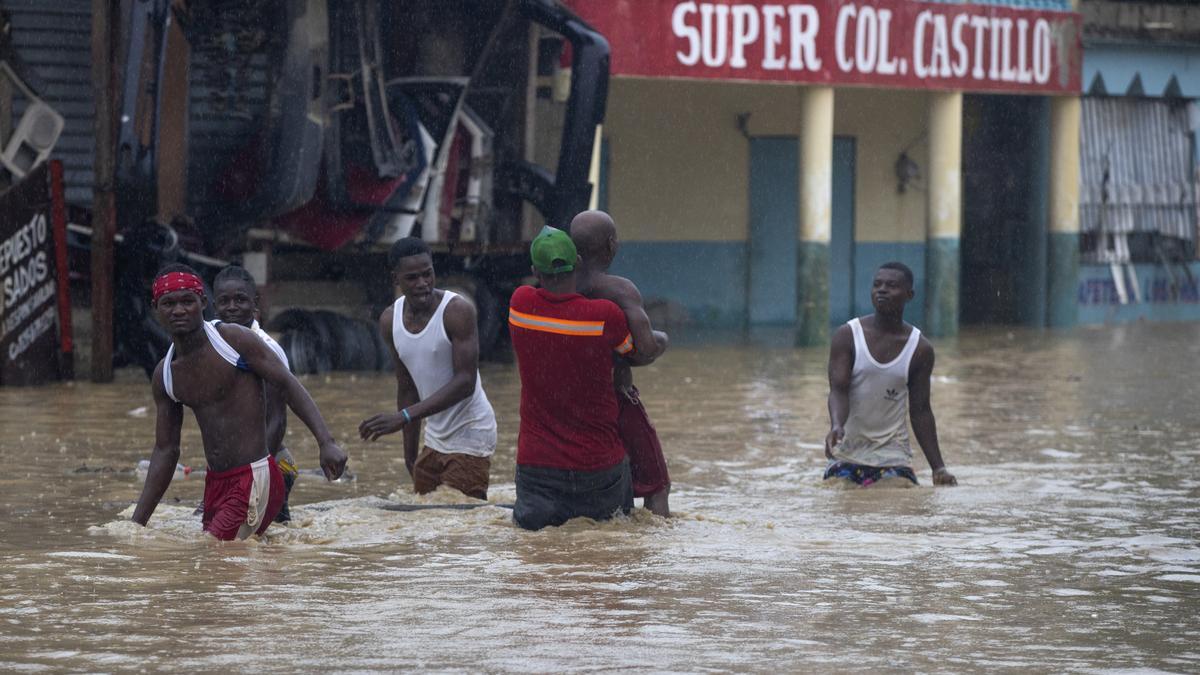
[1070, 544]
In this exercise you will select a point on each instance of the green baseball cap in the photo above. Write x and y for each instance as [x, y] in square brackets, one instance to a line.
[553, 252]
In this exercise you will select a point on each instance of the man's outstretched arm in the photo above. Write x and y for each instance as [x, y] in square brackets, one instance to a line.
[920, 412]
[841, 367]
[263, 362]
[168, 421]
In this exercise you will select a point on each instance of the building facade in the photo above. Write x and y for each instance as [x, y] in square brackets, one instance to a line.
[763, 159]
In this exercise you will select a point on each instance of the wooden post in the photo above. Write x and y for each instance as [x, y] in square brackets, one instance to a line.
[104, 204]
[58, 218]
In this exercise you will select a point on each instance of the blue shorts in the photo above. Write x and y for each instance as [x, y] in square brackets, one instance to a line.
[866, 475]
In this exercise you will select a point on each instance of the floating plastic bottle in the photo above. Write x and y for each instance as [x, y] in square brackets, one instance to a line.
[318, 476]
[181, 471]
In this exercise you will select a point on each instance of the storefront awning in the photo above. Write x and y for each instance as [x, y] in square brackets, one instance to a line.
[1142, 70]
[901, 44]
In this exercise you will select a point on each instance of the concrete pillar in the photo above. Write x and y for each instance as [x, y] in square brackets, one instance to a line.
[945, 213]
[816, 199]
[1062, 306]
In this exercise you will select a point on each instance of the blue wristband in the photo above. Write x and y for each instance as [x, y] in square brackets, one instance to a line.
[407, 417]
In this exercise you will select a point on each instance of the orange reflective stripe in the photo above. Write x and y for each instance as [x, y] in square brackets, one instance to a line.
[563, 322]
[626, 346]
[557, 326]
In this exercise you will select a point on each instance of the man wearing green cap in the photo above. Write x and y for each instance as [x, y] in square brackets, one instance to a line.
[570, 459]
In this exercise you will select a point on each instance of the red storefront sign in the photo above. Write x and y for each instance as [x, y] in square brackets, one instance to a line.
[900, 44]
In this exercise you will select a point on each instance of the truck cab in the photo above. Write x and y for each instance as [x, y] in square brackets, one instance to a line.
[340, 126]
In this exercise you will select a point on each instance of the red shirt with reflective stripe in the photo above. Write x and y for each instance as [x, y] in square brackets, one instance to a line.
[564, 346]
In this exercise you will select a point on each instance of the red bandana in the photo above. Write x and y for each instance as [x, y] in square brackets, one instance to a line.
[177, 281]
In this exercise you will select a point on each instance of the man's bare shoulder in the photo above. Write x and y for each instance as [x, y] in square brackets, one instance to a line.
[236, 331]
[617, 289]
[459, 305]
[245, 342]
[459, 318]
[842, 336]
[924, 348]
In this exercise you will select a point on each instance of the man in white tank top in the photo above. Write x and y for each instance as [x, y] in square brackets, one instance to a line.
[435, 345]
[879, 372]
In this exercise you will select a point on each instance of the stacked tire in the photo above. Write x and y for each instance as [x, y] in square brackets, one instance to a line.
[320, 341]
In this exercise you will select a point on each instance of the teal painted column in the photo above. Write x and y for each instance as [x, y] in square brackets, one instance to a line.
[1062, 278]
[945, 214]
[816, 211]
[812, 281]
[1062, 308]
[941, 286]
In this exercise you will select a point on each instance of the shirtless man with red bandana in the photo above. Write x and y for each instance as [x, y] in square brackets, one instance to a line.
[218, 370]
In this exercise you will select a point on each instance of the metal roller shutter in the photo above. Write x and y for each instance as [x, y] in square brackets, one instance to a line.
[1136, 172]
[54, 41]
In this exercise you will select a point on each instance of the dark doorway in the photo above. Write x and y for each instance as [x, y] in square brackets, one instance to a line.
[1005, 160]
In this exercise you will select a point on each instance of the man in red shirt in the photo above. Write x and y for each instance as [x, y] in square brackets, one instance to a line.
[570, 459]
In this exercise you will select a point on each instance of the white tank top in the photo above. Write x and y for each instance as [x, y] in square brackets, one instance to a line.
[467, 427]
[877, 428]
[223, 348]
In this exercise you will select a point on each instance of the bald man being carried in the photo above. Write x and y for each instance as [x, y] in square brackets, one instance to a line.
[595, 236]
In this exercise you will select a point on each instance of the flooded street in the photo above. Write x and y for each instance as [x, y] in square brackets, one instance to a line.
[1070, 544]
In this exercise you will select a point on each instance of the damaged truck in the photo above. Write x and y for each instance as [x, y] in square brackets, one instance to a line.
[305, 136]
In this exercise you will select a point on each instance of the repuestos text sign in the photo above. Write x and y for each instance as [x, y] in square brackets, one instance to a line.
[885, 43]
[28, 308]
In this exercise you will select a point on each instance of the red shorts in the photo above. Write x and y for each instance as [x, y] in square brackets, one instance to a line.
[243, 500]
[646, 461]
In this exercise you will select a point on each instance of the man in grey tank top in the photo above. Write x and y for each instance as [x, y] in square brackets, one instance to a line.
[879, 371]
[434, 342]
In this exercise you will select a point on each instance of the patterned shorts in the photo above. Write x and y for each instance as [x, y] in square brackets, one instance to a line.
[866, 475]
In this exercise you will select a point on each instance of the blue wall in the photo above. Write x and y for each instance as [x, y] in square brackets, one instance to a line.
[709, 278]
[1099, 303]
[1160, 70]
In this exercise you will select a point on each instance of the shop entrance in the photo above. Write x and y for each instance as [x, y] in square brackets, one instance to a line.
[1005, 161]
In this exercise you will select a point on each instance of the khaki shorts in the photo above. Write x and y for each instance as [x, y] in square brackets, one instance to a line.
[466, 473]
